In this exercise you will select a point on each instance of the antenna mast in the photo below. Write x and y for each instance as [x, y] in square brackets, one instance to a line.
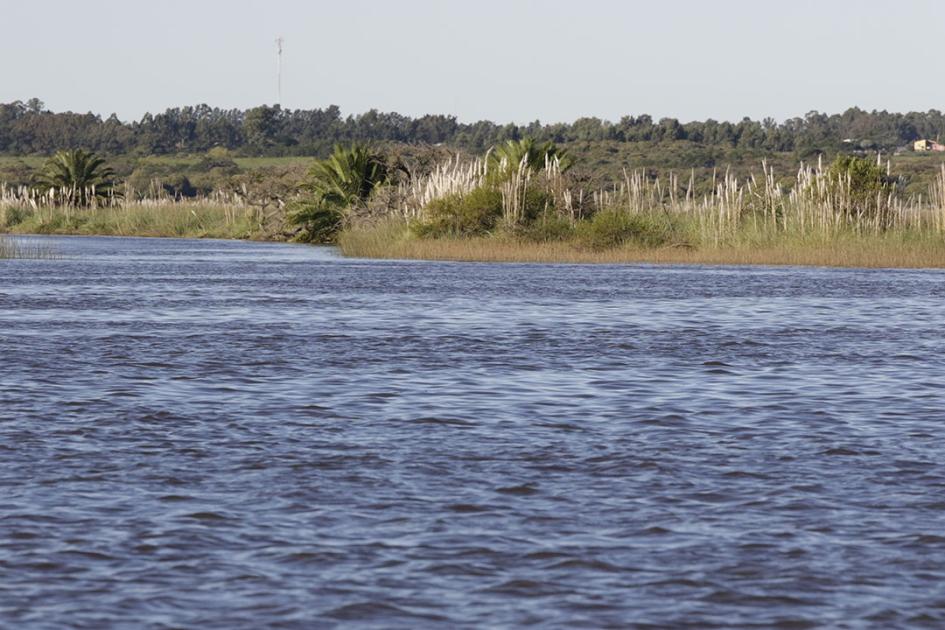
[279, 42]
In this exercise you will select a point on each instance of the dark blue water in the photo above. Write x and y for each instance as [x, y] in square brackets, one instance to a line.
[241, 435]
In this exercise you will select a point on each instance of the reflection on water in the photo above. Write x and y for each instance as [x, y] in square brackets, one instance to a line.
[224, 434]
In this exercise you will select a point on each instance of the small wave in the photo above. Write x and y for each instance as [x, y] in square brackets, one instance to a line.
[450, 422]
[467, 508]
[841, 451]
[377, 610]
[206, 516]
[522, 490]
[524, 588]
[173, 498]
[587, 565]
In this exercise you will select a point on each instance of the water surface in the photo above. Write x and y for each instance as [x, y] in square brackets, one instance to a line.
[209, 434]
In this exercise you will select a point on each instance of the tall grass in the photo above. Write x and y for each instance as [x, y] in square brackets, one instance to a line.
[25, 210]
[822, 217]
[818, 201]
[453, 177]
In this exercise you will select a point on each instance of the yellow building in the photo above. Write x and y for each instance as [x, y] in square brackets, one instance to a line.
[928, 145]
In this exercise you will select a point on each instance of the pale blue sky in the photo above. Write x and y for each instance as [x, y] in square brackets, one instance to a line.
[512, 60]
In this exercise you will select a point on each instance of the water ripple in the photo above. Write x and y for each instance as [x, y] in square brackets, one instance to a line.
[242, 435]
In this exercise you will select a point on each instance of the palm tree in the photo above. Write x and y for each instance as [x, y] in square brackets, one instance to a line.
[77, 177]
[337, 184]
[348, 176]
[507, 158]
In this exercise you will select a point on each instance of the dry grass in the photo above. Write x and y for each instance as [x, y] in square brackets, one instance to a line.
[895, 251]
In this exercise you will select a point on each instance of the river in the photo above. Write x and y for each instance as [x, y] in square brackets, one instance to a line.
[212, 434]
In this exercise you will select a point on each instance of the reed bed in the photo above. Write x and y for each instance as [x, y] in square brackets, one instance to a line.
[818, 201]
[24, 210]
[453, 177]
[819, 218]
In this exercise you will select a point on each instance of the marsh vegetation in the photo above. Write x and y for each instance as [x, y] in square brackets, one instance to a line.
[522, 200]
[76, 192]
[519, 204]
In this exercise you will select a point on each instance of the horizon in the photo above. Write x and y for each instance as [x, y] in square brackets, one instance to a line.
[550, 61]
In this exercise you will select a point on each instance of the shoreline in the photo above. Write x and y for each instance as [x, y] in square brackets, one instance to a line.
[367, 245]
[182, 237]
[866, 252]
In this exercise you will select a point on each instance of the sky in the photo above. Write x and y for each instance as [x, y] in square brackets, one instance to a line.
[500, 60]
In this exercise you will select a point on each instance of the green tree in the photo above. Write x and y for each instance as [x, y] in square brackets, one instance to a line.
[77, 177]
[335, 186]
[261, 126]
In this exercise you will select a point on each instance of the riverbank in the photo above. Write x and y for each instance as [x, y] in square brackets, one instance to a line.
[394, 241]
[899, 250]
[199, 219]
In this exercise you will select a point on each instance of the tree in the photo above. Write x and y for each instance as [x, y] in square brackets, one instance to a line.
[77, 177]
[261, 126]
[336, 185]
[348, 176]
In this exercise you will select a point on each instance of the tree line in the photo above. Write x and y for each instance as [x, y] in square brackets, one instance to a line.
[28, 128]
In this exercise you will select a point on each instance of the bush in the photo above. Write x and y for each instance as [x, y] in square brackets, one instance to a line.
[221, 164]
[537, 204]
[474, 214]
[14, 215]
[548, 227]
[868, 188]
[613, 228]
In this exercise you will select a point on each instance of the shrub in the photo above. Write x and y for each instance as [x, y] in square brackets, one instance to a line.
[859, 188]
[538, 203]
[216, 163]
[611, 228]
[474, 214]
[14, 215]
[548, 227]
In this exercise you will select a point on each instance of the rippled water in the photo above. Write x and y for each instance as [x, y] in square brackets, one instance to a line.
[226, 435]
